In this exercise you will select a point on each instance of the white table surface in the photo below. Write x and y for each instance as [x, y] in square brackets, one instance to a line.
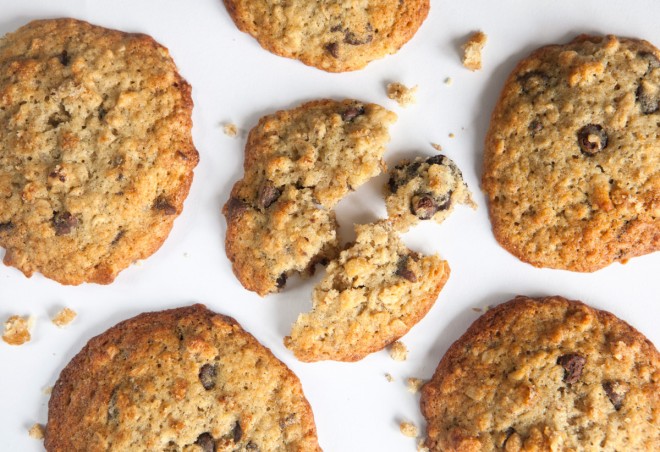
[234, 80]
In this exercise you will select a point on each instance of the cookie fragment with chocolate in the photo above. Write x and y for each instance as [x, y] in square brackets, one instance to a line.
[178, 380]
[371, 295]
[533, 372]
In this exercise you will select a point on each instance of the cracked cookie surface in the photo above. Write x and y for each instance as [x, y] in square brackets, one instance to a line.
[371, 295]
[96, 155]
[181, 380]
[572, 159]
[545, 374]
[335, 36]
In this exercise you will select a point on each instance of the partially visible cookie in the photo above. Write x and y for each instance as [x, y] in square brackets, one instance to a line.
[335, 35]
[572, 159]
[545, 374]
[298, 164]
[96, 153]
[371, 295]
[185, 379]
[424, 189]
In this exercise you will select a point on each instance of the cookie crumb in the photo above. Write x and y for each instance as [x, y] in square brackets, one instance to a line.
[437, 147]
[47, 390]
[414, 384]
[477, 309]
[451, 135]
[389, 377]
[472, 50]
[421, 445]
[230, 129]
[449, 81]
[17, 330]
[398, 351]
[64, 317]
[403, 95]
[408, 429]
[36, 431]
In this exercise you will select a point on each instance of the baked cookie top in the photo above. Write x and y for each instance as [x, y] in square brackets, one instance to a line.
[545, 374]
[334, 35]
[96, 155]
[424, 189]
[184, 379]
[371, 295]
[298, 164]
[572, 159]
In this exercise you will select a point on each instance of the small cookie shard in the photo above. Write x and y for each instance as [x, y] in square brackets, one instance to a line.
[363, 303]
[572, 156]
[534, 372]
[298, 164]
[403, 95]
[140, 386]
[230, 129]
[472, 50]
[423, 189]
[331, 35]
[17, 330]
[409, 429]
[414, 384]
[104, 121]
[399, 351]
[64, 317]
[36, 431]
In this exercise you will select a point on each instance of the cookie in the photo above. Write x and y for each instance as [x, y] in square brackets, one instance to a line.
[371, 295]
[545, 374]
[335, 36]
[572, 157]
[298, 164]
[184, 379]
[96, 154]
[424, 189]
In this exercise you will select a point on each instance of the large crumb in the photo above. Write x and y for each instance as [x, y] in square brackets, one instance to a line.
[403, 95]
[413, 384]
[36, 431]
[437, 147]
[472, 50]
[408, 429]
[17, 330]
[230, 129]
[398, 351]
[64, 317]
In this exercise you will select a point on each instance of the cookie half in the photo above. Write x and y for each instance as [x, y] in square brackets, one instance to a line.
[572, 159]
[545, 374]
[335, 36]
[184, 379]
[96, 154]
[371, 295]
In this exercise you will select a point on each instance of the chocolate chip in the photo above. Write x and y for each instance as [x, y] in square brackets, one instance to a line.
[352, 112]
[164, 206]
[237, 432]
[535, 127]
[437, 160]
[289, 420]
[252, 446]
[592, 139]
[118, 237]
[337, 28]
[206, 442]
[615, 392]
[647, 98]
[57, 174]
[235, 208]
[333, 49]
[58, 118]
[102, 113]
[281, 281]
[424, 205]
[402, 174]
[533, 83]
[403, 271]
[64, 58]
[573, 365]
[268, 194]
[352, 39]
[652, 59]
[64, 223]
[509, 431]
[6, 227]
[207, 376]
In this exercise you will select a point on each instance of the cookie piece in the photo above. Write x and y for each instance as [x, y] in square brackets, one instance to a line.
[426, 188]
[96, 154]
[314, 154]
[572, 159]
[472, 50]
[542, 374]
[373, 294]
[184, 379]
[335, 36]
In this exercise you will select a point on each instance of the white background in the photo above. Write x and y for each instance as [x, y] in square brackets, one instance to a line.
[234, 80]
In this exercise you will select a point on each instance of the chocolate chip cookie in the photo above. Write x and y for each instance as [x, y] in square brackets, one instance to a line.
[572, 159]
[545, 374]
[96, 154]
[298, 164]
[336, 35]
[424, 189]
[185, 379]
[371, 295]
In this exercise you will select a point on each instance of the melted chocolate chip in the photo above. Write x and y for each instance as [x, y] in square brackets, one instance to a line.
[6, 227]
[268, 194]
[509, 431]
[436, 160]
[236, 208]
[648, 100]
[64, 223]
[337, 28]
[424, 205]
[533, 83]
[65, 59]
[333, 49]
[402, 174]
[206, 442]
[592, 139]
[164, 206]
[652, 59]
[403, 271]
[207, 376]
[615, 392]
[237, 432]
[58, 118]
[352, 112]
[57, 174]
[281, 281]
[573, 365]
[535, 127]
[102, 113]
